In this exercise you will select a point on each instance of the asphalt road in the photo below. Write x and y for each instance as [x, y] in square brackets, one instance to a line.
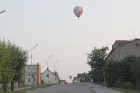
[74, 88]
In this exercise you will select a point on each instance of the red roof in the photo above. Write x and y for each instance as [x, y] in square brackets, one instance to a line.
[121, 42]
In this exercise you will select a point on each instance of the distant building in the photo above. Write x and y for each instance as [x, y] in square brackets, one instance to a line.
[123, 48]
[49, 77]
[63, 82]
[83, 77]
[31, 75]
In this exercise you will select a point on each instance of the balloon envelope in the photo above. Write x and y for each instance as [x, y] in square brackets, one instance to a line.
[78, 11]
[70, 77]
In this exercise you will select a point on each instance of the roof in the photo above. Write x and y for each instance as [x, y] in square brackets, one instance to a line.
[47, 70]
[121, 43]
[54, 73]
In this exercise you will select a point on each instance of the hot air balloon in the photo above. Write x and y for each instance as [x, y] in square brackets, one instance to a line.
[78, 11]
[70, 77]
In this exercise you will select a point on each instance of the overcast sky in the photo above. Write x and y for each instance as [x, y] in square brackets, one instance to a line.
[53, 26]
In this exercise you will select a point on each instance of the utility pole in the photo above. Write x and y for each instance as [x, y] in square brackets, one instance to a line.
[32, 65]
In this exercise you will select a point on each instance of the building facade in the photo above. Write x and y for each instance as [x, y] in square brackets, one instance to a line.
[32, 74]
[123, 48]
[49, 77]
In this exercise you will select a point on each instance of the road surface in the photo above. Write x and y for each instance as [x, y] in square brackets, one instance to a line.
[74, 88]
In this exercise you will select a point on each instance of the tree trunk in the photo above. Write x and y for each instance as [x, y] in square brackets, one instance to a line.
[12, 85]
[4, 86]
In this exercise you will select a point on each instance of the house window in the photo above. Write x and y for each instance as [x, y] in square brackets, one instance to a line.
[29, 80]
[47, 75]
[34, 67]
[137, 44]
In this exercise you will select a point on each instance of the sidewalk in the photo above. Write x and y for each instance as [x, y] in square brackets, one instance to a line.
[23, 88]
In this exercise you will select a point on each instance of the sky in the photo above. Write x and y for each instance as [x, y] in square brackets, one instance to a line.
[62, 38]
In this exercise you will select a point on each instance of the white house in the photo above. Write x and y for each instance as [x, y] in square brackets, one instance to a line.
[49, 77]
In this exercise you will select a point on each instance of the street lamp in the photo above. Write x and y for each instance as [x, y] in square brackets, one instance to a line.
[55, 66]
[2, 11]
[32, 64]
[48, 61]
[48, 68]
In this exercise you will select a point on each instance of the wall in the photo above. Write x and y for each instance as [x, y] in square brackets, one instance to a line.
[123, 51]
[29, 70]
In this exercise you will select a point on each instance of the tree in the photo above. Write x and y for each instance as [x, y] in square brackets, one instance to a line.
[19, 58]
[6, 73]
[96, 60]
[12, 59]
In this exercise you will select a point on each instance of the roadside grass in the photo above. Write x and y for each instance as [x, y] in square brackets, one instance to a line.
[126, 91]
[25, 88]
[40, 86]
[16, 91]
[120, 89]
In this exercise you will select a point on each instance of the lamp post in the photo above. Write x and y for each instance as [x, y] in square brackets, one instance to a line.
[32, 64]
[55, 71]
[55, 66]
[2, 11]
[48, 61]
[48, 68]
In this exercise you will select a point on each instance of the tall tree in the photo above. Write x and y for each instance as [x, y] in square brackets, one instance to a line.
[11, 58]
[96, 60]
[6, 73]
[19, 58]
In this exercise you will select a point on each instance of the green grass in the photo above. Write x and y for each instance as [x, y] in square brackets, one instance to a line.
[126, 91]
[25, 89]
[40, 86]
[16, 91]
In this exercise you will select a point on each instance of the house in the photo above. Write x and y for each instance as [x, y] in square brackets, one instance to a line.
[49, 77]
[123, 48]
[31, 75]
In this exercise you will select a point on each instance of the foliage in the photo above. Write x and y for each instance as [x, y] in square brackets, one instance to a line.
[126, 91]
[125, 73]
[12, 60]
[96, 60]
[112, 72]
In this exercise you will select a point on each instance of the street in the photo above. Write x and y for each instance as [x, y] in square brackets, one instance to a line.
[74, 88]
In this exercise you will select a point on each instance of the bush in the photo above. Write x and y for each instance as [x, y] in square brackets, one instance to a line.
[137, 85]
[118, 84]
[127, 85]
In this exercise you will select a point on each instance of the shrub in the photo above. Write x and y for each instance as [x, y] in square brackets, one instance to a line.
[127, 85]
[118, 83]
[137, 85]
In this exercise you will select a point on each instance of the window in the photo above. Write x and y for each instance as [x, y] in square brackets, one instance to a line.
[47, 75]
[29, 80]
[137, 44]
[35, 67]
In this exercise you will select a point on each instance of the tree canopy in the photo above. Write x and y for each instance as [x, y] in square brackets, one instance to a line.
[12, 60]
[96, 60]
